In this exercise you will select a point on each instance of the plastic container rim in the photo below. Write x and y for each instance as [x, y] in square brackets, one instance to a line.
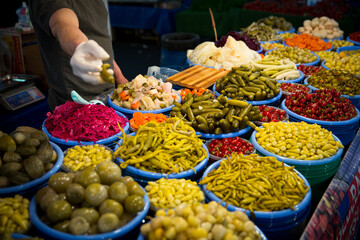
[42, 227]
[292, 30]
[347, 48]
[352, 41]
[42, 179]
[153, 175]
[100, 141]
[224, 135]
[260, 215]
[296, 161]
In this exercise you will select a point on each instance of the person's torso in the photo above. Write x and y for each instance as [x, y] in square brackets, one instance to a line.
[92, 17]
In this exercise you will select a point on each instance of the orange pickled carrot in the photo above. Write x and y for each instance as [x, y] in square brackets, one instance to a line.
[308, 41]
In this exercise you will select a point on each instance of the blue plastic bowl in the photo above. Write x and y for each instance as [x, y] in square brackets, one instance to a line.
[323, 65]
[271, 102]
[260, 50]
[224, 135]
[347, 48]
[262, 218]
[339, 38]
[296, 80]
[64, 144]
[262, 235]
[152, 176]
[122, 231]
[292, 161]
[130, 112]
[297, 64]
[290, 231]
[34, 185]
[19, 236]
[355, 100]
[352, 41]
[344, 130]
[289, 31]
[316, 51]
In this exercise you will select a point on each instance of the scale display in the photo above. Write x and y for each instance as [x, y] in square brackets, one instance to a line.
[22, 98]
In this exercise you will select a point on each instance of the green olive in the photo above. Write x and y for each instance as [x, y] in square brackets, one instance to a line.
[62, 196]
[109, 172]
[110, 205]
[108, 222]
[93, 229]
[59, 181]
[134, 204]
[49, 197]
[125, 218]
[58, 210]
[62, 226]
[87, 177]
[118, 191]
[90, 214]
[135, 189]
[42, 193]
[127, 179]
[79, 226]
[95, 194]
[75, 193]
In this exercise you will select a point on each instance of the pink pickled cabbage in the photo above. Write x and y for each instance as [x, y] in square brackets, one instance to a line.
[73, 121]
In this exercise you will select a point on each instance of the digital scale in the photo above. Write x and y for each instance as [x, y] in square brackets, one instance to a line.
[17, 91]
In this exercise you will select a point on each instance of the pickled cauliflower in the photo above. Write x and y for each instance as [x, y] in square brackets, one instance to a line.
[145, 93]
[232, 54]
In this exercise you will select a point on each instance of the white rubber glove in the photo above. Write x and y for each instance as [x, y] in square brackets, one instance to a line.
[87, 60]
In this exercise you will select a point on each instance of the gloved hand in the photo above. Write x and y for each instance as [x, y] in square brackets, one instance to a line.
[87, 60]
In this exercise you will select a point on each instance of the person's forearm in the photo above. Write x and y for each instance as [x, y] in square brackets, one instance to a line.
[119, 77]
[64, 26]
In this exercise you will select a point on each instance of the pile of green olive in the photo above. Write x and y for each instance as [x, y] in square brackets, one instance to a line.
[295, 54]
[91, 201]
[340, 43]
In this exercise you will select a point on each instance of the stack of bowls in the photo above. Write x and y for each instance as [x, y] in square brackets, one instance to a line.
[315, 171]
